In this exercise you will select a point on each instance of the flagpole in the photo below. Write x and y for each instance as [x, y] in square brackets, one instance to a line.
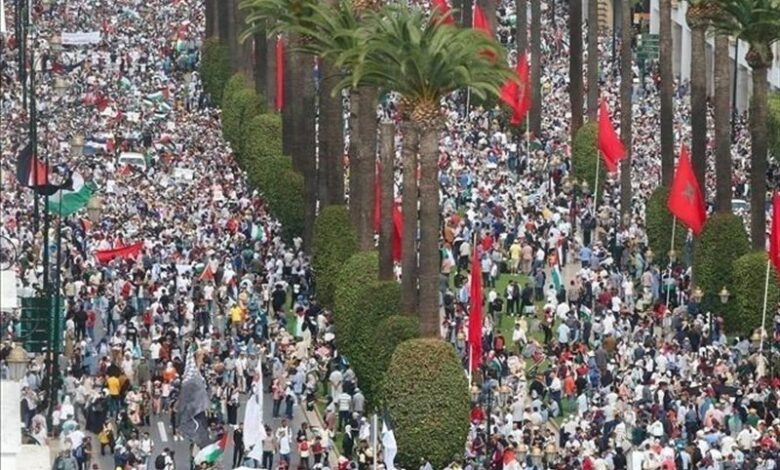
[596, 191]
[671, 250]
[763, 317]
[376, 434]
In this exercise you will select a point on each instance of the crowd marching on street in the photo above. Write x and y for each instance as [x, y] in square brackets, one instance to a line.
[196, 308]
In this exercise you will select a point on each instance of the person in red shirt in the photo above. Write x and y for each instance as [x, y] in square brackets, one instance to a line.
[477, 414]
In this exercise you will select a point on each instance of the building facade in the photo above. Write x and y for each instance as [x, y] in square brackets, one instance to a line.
[681, 61]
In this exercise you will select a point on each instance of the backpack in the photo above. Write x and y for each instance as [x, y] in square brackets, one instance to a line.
[159, 462]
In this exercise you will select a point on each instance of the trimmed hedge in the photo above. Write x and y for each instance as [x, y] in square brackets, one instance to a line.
[285, 198]
[749, 278]
[773, 126]
[585, 157]
[427, 397]
[239, 107]
[391, 332]
[263, 137]
[333, 243]
[659, 228]
[214, 68]
[723, 240]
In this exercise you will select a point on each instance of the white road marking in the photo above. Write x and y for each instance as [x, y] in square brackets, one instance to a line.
[161, 429]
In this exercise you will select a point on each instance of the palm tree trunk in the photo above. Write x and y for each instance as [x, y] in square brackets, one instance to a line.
[535, 116]
[211, 18]
[521, 33]
[626, 89]
[331, 135]
[758, 164]
[699, 106]
[386, 159]
[232, 34]
[244, 49]
[270, 76]
[430, 265]
[223, 21]
[489, 9]
[291, 82]
[667, 91]
[465, 11]
[593, 60]
[261, 66]
[362, 164]
[409, 208]
[575, 64]
[722, 118]
[299, 105]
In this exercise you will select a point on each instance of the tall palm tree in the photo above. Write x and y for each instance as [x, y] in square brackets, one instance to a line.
[521, 33]
[424, 61]
[575, 65]
[757, 22]
[331, 137]
[722, 118]
[593, 60]
[535, 114]
[626, 89]
[211, 18]
[667, 91]
[386, 159]
[409, 268]
[697, 16]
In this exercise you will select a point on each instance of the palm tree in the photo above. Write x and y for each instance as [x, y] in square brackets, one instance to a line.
[331, 138]
[211, 18]
[593, 60]
[575, 65]
[535, 115]
[722, 118]
[667, 91]
[757, 22]
[409, 268]
[626, 88]
[424, 61]
[386, 159]
[697, 16]
[521, 34]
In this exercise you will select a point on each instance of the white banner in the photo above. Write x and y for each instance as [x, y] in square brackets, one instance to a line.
[80, 38]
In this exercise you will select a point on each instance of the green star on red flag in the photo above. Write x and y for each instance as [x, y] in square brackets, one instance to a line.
[686, 201]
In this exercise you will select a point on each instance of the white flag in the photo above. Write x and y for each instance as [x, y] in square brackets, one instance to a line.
[389, 446]
[254, 429]
[3, 29]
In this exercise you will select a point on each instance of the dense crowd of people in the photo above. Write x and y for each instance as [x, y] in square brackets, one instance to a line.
[601, 369]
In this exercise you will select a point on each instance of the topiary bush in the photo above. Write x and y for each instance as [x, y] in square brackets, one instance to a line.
[426, 394]
[585, 157]
[722, 241]
[388, 334]
[360, 268]
[333, 243]
[214, 68]
[263, 137]
[238, 109]
[659, 222]
[284, 192]
[749, 279]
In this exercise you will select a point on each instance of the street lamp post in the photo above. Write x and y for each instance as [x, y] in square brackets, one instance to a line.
[723, 295]
[95, 209]
[17, 363]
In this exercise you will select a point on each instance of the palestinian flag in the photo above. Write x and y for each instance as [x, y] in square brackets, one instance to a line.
[67, 201]
[212, 452]
[30, 172]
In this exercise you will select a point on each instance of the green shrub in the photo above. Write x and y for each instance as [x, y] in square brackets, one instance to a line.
[585, 157]
[236, 83]
[238, 109]
[427, 397]
[749, 279]
[214, 68]
[333, 243]
[263, 137]
[722, 241]
[659, 228]
[391, 332]
[360, 268]
[773, 126]
[285, 198]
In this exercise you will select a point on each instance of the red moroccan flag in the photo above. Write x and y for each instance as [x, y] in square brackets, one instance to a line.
[609, 142]
[481, 23]
[475, 310]
[396, 237]
[442, 10]
[279, 74]
[774, 237]
[518, 95]
[127, 251]
[686, 201]
[377, 197]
